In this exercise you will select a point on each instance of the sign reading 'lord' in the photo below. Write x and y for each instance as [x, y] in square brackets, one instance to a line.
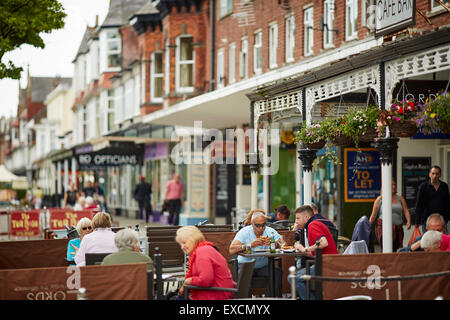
[393, 15]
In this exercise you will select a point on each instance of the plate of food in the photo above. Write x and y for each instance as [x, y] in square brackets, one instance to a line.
[288, 249]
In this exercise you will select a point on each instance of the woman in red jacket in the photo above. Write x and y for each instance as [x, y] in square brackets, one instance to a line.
[207, 266]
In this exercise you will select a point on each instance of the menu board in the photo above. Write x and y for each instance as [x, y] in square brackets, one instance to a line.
[225, 189]
[414, 172]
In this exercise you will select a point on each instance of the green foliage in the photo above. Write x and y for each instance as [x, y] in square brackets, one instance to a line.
[22, 22]
[312, 133]
[358, 121]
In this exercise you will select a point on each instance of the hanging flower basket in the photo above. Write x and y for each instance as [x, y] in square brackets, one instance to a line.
[405, 129]
[369, 136]
[314, 145]
[342, 140]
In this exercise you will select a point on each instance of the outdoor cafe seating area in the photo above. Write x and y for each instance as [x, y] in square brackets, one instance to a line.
[36, 269]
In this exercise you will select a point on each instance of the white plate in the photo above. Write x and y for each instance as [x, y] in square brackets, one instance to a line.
[288, 250]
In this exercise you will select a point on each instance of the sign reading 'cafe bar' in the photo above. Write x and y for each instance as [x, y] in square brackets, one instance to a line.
[393, 15]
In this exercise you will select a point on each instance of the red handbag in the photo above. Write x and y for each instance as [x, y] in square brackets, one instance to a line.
[416, 233]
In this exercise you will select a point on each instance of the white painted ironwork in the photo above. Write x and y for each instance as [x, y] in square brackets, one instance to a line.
[337, 86]
[276, 104]
[416, 64]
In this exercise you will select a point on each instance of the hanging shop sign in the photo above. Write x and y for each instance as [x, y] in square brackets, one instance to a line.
[362, 174]
[24, 224]
[59, 218]
[393, 15]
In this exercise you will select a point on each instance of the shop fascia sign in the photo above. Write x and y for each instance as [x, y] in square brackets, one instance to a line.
[105, 160]
[393, 15]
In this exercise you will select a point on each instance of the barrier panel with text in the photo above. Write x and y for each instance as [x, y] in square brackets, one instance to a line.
[63, 217]
[24, 223]
[114, 282]
[375, 266]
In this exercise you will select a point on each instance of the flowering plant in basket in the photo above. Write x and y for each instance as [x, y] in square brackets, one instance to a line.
[439, 110]
[309, 135]
[359, 121]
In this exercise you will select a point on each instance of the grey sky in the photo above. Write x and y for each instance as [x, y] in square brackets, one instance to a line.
[57, 56]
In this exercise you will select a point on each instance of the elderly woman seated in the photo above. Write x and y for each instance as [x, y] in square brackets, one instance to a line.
[127, 241]
[435, 241]
[101, 240]
[206, 268]
[84, 227]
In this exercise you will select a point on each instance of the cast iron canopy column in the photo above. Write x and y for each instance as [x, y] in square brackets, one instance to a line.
[307, 157]
[386, 147]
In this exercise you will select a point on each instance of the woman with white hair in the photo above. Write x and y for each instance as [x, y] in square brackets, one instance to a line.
[127, 241]
[431, 241]
[84, 227]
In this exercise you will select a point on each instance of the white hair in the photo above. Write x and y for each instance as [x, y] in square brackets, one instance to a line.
[257, 214]
[83, 221]
[430, 238]
[126, 239]
[89, 200]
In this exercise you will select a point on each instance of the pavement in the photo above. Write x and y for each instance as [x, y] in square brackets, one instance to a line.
[120, 221]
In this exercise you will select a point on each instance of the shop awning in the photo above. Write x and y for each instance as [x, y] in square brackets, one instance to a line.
[223, 108]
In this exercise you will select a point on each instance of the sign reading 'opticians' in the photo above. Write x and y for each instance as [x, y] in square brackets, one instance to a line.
[393, 15]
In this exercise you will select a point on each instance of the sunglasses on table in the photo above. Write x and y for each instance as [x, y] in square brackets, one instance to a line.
[86, 228]
[262, 225]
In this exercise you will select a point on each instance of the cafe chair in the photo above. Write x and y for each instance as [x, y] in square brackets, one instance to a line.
[95, 258]
[242, 287]
[286, 224]
[257, 282]
[356, 247]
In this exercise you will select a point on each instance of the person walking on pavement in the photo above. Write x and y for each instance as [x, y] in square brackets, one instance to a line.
[432, 197]
[175, 196]
[142, 194]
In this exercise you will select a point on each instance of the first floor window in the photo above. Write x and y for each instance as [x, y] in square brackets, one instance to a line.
[113, 49]
[328, 20]
[273, 45]
[232, 63]
[157, 77]
[185, 63]
[220, 68]
[243, 59]
[257, 53]
[110, 104]
[290, 38]
[351, 19]
[309, 32]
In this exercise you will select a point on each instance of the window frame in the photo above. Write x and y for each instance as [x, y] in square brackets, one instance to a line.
[273, 45]
[351, 9]
[290, 28]
[232, 63]
[257, 52]
[184, 62]
[110, 52]
[220, 68]
[243, 59]
[154, 76]
[225, 8]
[328, 36]
[308, 47]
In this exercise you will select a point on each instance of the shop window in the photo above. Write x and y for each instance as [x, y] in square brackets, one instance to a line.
[157, 77]
[257, 53]
[308, 22]
[185, 64]
[328, 20]
[351, 19]
[243, 59]
[290, 38]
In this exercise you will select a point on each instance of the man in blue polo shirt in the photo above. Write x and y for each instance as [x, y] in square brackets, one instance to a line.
[257, 235]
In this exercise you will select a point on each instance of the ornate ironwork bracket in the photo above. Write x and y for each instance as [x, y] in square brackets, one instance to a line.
[386, 147]
[307, 157]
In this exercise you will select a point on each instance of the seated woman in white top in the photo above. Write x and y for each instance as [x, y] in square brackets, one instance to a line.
[101, 240]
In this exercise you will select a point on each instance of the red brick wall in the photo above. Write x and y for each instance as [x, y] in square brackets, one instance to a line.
[129, 45]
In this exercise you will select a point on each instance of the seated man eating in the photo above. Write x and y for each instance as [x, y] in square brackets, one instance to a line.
[257, 235]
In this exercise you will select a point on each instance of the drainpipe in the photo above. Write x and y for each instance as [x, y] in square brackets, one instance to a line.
[212, 16]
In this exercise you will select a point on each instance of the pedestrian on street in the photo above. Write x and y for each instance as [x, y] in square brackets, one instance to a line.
[432, 197]
[399, 208]
[175, 196]
[142, 194]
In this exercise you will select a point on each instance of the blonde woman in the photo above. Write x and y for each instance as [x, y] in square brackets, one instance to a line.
[101, 240]
[207, 267]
